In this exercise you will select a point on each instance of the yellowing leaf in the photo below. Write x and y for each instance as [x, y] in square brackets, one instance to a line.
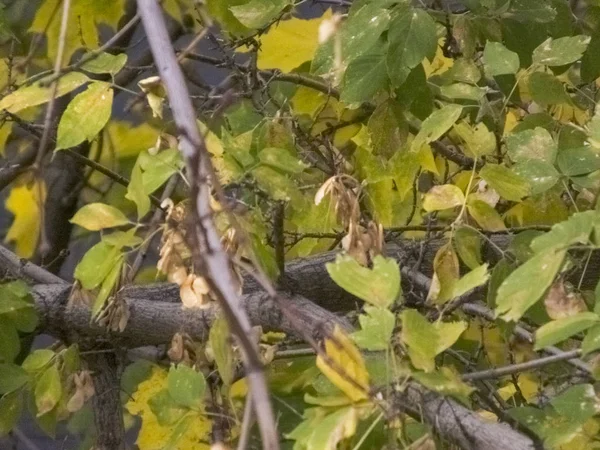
[485, 216]
[289, 44]
[85, 115]
[97, 216]
[154, 435]
[443, 197]
[379, 286]
[38, 93]
[425, 340]
[344, 366]
[84, 18]
[130, 140]
[24, 203]
[446, 273]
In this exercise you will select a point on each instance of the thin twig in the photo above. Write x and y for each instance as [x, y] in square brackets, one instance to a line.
[247, 423]
[57, 65]
[521, 367]
[21, 268]
[206, 243]
[154, 224]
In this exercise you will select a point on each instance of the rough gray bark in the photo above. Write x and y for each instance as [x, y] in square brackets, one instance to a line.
[458, 424]
[156, 315]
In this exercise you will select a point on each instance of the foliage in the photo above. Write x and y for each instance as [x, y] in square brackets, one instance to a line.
[450, 158]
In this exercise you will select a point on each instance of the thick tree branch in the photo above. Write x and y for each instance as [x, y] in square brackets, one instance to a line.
[456, 423]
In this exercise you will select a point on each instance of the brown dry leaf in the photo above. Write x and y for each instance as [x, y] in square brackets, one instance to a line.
[115, 314]
[561, 304]
[343, 190]
[194, 292]
[84, 390]
[363, 244]
[182, 349]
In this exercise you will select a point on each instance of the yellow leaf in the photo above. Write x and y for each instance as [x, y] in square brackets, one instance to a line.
[84, 18]
[24, 203]
[511, 121]
[289, 44]
[344, 366]
[152, 435]
[129, 140]
[440, 63]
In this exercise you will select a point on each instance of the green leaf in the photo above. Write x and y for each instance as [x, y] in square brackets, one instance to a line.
[48, 390]
[467, 243]
[120, 239]
[220, 11]
[561, 51]
[540, 175]
[478, 140]
[108, 286]
[158, 168]
[376, 329]
[219, 340]
[540, 11]
[517, 293]
[12, 377]
[11, 406]
[96, 265]
[578, 161]
[559, 330]
[166, 410]
[186, 386]
[362, 30]
[10, 303]
[575, 230]
[578, 403]
[485, 216]
[364, 77]
[257, 13]
[179, 430]
[38, 93]
[471, 280]
[499, 60]
[438, 123]
[591, 341]
[379, 286]
[443, 197]
[590, 62]
[426, 340]
[445, 382]
[136, 191]
[281, 159]
[325, 431]
[105, 63]
[531, 144]
[85, 115]
[97, 216]
[276, 184]
[37, 360]
[10, 345]
[462, 91]
[546, 89]
[505, 182]
[388, 129]
[412, 38]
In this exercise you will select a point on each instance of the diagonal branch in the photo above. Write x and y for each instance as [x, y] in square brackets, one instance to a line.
[206, 246]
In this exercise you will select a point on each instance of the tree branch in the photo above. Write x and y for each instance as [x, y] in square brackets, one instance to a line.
[207, 250]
